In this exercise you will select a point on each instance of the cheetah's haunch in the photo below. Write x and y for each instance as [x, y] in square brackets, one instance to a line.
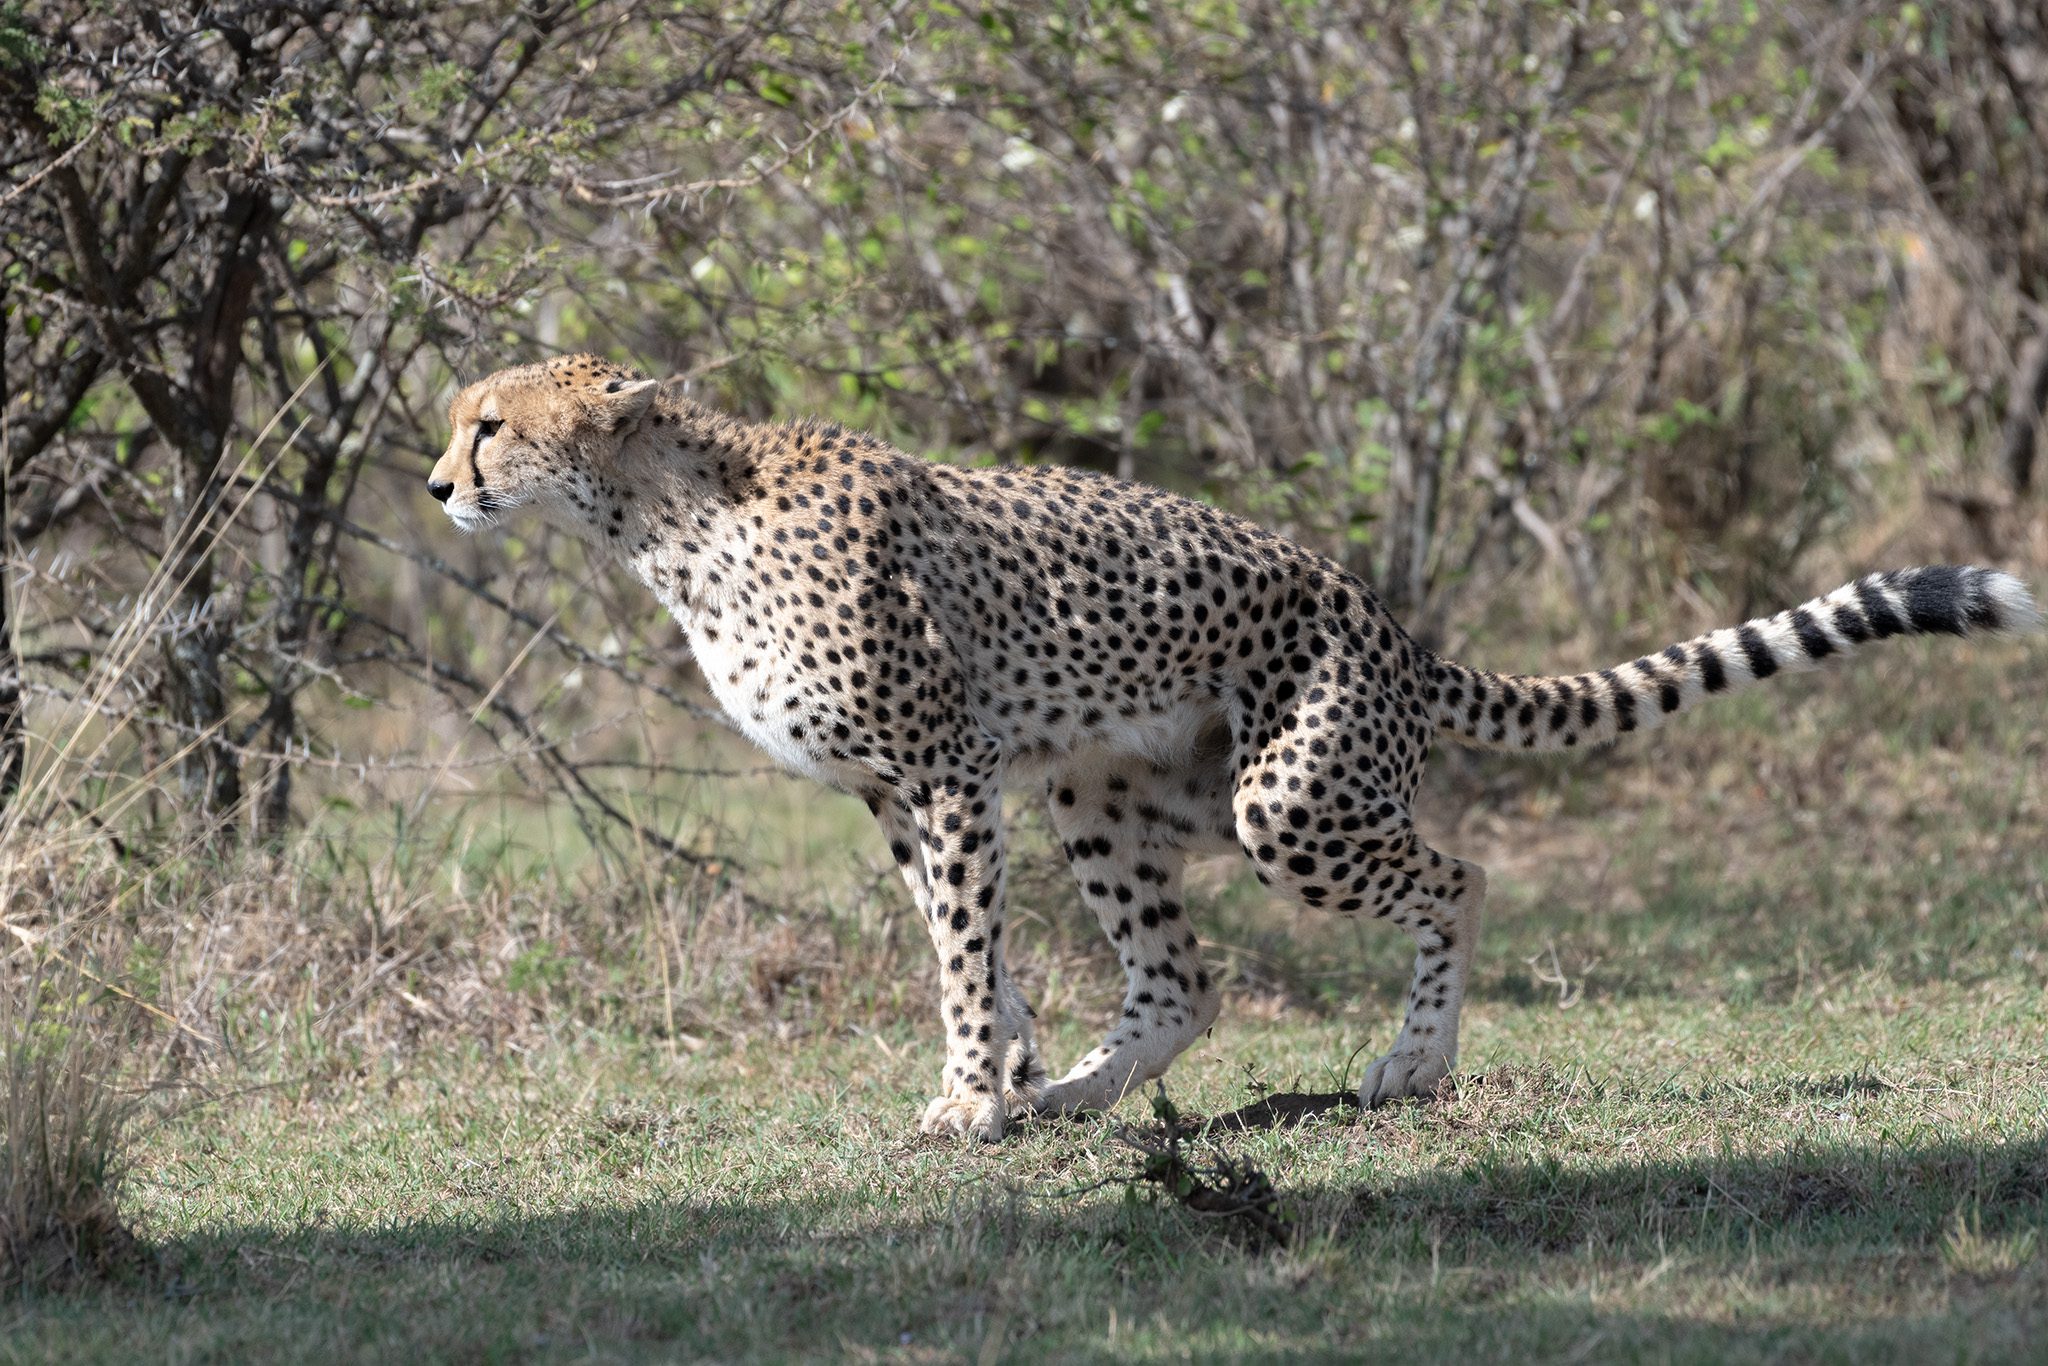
[1179, 680]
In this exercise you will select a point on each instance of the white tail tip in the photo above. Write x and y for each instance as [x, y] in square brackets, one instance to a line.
[2017, 611]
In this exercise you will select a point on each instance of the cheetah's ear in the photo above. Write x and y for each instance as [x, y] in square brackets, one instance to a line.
[623, 402]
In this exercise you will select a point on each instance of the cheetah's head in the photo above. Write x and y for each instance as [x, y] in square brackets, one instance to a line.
[541, 435]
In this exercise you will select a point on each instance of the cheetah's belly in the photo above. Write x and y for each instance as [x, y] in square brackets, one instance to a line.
[1170, 737]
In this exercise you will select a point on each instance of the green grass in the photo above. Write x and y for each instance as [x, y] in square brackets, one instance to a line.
[1755, 1068]
[1850, 1176]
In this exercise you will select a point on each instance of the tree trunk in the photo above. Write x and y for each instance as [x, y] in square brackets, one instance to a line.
[12, 740]
[197, 632]
[2023, 414]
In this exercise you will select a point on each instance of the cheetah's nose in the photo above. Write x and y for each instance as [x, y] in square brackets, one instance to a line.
[440, 488]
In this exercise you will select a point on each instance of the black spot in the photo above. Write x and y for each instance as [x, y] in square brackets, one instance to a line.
[1884, 622]
[1812, 639]
[1761, 664]
[1713, 677]
[1980, 608]
[1937, 599]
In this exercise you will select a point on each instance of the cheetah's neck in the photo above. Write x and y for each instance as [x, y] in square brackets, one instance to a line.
[675, 509]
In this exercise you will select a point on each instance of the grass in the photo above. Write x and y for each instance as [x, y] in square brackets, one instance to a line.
[1636, 1178]
[63, 1155]
[1756, 1068]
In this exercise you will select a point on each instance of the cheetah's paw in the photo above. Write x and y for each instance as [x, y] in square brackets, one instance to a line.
[1402, 1073]
[975, 1117]
[1090, 1093]
[1024, 1086]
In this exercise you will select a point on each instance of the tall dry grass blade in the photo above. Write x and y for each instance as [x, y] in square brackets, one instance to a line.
[153, 605]
[64, 1115]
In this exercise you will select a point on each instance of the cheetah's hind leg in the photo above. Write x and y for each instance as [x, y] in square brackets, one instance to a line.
[1391, 875]
[1441, 912]
[1329, 835]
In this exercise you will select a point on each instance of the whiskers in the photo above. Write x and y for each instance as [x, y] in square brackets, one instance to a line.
[485, 514]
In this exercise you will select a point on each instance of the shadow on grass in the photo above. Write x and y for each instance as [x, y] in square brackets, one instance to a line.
[1287, 1109]
[1291, 1109]
[793, 1272]
[1860, 1200]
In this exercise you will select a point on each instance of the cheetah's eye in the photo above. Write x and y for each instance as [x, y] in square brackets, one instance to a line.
[486, 428]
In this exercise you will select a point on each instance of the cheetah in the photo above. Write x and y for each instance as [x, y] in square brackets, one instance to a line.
[1179, 682]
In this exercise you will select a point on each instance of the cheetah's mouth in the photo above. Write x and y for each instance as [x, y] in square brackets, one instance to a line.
[477, 514]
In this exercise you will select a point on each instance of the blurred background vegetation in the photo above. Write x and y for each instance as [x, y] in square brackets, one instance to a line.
[1644, 305]
[1575, 327]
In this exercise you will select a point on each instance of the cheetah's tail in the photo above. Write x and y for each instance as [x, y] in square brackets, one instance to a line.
[1494, 711]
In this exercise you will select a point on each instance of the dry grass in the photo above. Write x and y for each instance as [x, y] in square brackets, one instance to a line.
[65, 1110]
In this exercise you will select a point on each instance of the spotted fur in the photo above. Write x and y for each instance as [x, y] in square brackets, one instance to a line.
[1179, 681]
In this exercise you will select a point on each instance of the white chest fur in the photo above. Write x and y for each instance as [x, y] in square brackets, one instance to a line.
[737, 653]
[755, 692]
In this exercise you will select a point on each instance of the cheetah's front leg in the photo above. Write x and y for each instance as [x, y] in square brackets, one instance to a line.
[1023, 1070]
[956, 872]
[1114, 827]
